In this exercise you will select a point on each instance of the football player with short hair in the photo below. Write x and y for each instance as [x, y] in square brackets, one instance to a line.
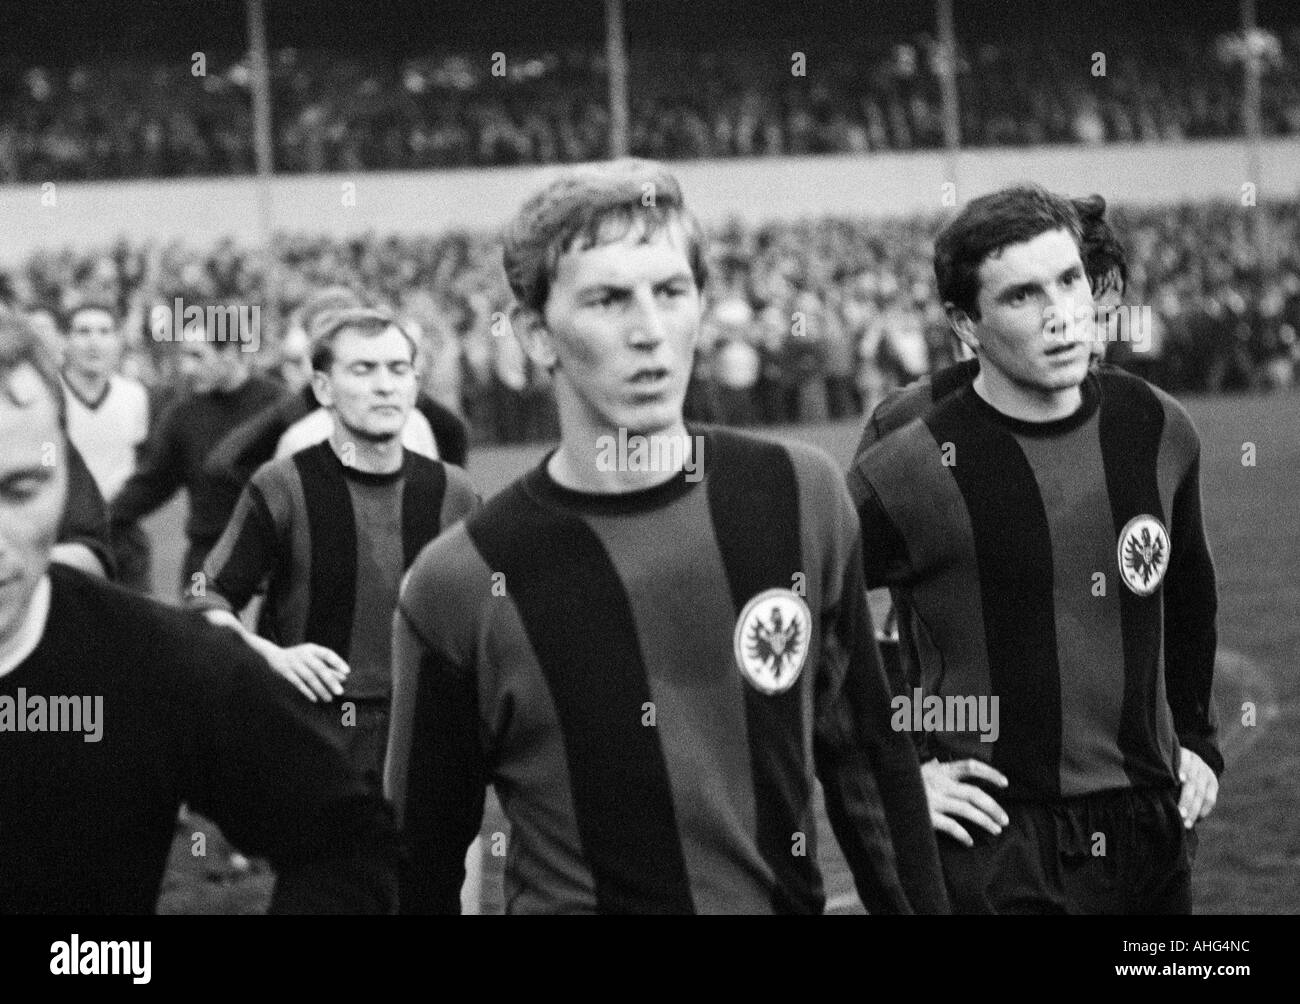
[114, 708]
[1043, 524]
[655, 641]
[223, 391]
[330, 530]
[108, 422]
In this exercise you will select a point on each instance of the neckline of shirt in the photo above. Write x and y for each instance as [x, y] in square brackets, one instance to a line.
[1090, 390]
[539, 483]
[368, 477]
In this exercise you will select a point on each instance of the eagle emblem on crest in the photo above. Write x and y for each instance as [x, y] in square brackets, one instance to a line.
[772, 637]
[1143, 554]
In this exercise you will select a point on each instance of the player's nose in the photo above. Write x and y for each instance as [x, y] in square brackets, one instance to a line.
[646, 326]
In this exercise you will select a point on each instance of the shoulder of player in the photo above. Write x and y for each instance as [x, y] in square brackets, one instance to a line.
[161, 647]
[446, 592]
[459, 496]
[1119, 385]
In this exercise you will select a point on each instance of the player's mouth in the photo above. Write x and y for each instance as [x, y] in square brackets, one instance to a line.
[649, 380]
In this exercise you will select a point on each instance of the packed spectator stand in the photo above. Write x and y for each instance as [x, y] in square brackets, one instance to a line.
[807, 321]
[133, 118]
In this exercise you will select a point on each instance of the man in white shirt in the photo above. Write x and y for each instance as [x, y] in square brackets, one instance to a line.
[108, 420]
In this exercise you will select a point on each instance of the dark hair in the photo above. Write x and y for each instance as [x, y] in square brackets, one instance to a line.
[22, 345]
[590, 205]
[985, 227]
[1103, 256]
[367, 320]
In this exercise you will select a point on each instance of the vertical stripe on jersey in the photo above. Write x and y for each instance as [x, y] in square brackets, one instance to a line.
[330, 522]
[580, 625]
[1013, 555]
[422, 497]
[1131, 426]
[754, 501]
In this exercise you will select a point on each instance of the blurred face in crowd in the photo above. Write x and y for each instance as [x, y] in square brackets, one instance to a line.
[43, 321]
[620, 327]
[93, 346]
[370, 387]
[33, 486]
[207, 367]
[295, 359]
[1027, 294]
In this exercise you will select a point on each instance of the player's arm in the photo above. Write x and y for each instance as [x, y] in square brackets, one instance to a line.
[436, 774]
[1191, 604]
[954, 802]
[83, 540]
[158, 477]
[869, 772]
[331, 842]
[237, 567]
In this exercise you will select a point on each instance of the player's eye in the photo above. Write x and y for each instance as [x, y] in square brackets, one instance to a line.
[1019, 297]
[21, 489]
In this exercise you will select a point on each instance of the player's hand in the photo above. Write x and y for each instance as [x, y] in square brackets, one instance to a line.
[1200, 787]
[316, 671]
[951, 799]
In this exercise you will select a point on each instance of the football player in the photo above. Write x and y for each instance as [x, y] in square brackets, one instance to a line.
[108, 422]
[654, 641]
[156, 707]
[330, 530]
[1043, 524]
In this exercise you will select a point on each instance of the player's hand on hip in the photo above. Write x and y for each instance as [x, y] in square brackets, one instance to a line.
[315, 670]
[1200, 787]
[952, 799]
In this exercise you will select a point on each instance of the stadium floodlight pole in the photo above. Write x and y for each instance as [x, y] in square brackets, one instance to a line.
[616, 57]
[1250, 114]
[264, 153]
[948, 86]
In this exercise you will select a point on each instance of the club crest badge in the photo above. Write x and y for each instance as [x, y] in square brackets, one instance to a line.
[772, 638]
[1143, 554]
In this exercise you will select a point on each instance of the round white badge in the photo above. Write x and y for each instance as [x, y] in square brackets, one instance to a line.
[1143, 554]
[772, 637]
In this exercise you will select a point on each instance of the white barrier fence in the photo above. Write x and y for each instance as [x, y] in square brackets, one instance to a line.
[93, 214]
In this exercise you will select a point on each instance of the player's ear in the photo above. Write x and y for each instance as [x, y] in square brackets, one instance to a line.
[962, 325]
[322, 388]
[530, 328]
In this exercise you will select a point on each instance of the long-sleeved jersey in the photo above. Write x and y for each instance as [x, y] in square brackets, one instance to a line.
[651, 681]
[1060, 567]
[176, 454]
[330, 543]
[127, 708]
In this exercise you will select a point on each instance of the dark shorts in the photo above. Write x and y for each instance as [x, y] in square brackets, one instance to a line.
[1120, 852]
[360, 732]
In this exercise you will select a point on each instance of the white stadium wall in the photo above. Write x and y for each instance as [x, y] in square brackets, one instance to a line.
[92, 214]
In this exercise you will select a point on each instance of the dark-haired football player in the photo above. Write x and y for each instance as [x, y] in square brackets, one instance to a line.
[1043, 524]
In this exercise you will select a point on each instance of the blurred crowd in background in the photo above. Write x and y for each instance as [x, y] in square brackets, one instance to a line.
[806, 322]
[333, 112]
